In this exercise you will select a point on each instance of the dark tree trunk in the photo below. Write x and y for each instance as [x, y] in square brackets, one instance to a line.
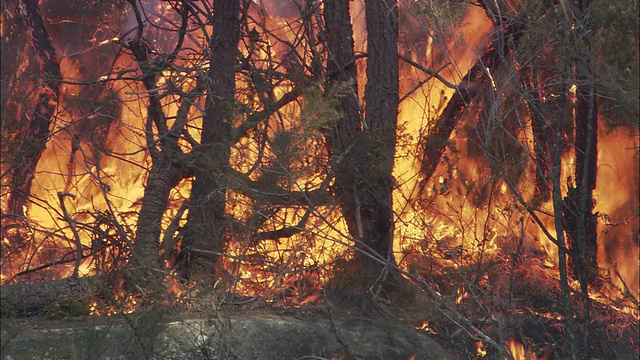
[528, 79]
[163, 176]
[363, 150]
[581, 227]
[341, 68]
[41, 117]
[374, 185]
[580, 219]
[206, 230]
[581, 222]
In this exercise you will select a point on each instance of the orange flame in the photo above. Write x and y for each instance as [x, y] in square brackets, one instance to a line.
[516, 349]
[480, 349]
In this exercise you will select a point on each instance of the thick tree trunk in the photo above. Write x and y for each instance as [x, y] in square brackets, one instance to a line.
[372, 191]
[162, 178]
[363, 150]
[163, 174]
[206, 230]
[167, 169]
[40, 119]
[341, 68]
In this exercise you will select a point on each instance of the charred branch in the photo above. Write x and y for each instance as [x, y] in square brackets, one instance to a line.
[541, 140]
[273, 194]
[284, 232]
[435, 143]
[432, 74]
[425, 80]
[72, 225]
[252, 120]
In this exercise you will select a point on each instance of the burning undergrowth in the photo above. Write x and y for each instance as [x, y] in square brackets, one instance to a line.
[472, 227]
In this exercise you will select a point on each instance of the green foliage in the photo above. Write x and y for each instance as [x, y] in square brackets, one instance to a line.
[606, 48]
[614, 26]
[65, 309]
[322, 109]
[447, 13]
[297, 147]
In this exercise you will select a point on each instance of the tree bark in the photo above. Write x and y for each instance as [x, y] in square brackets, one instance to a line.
[373, 199]
[363, 150]
[206, 230]
[581, 222]
[341, 68]
[165, 173]
[42, 117]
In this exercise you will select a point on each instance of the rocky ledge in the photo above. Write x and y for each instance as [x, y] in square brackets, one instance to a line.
[256, 337]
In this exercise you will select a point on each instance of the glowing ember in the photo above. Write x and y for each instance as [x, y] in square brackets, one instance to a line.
[462, 293]
[480, 349]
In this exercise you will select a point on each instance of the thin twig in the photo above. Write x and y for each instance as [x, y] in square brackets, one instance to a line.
[627, 291]
[72, 225]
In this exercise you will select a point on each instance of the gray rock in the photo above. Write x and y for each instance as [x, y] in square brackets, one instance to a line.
[263, 337]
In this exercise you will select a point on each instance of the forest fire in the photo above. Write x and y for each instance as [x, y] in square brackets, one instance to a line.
[470, 223]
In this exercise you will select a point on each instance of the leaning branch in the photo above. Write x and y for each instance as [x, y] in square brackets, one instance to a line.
[275, 195]
[476, 79]
[254, 119]
[431, 73]
[284, 232]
